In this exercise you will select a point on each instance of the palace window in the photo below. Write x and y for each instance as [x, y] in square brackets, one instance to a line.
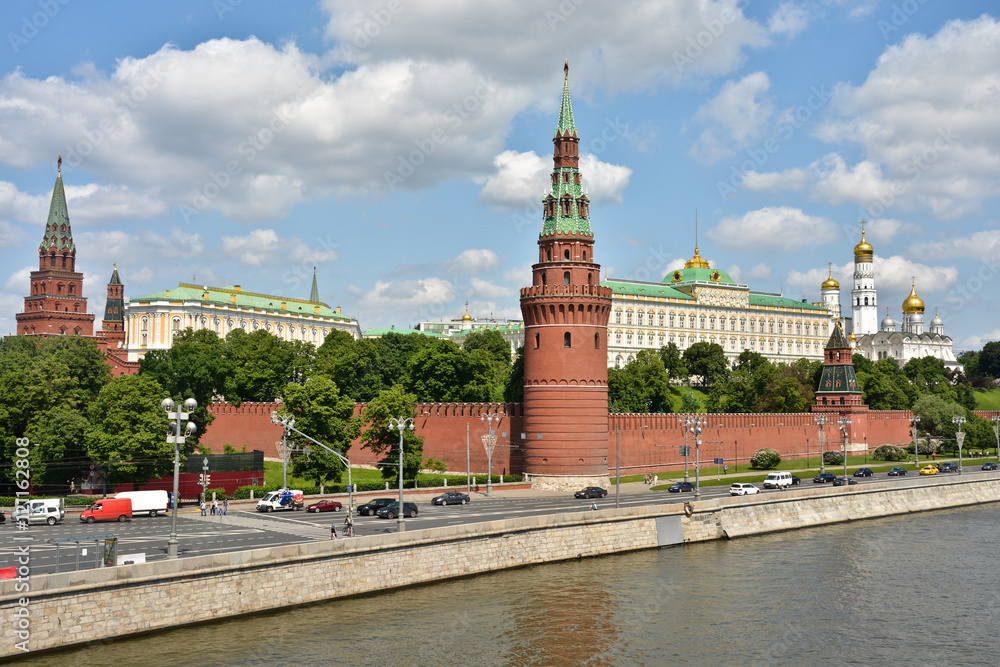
[732, 324]
[781, 326]
[701, 322]
[618, 316]
[651, 340]
[638, 318]
[175, 326]
[660, 319]
[628, 339]
[628, 317]
[671, 320]
[743, 324]
[661, 340]
[618, 337]
[753, 325]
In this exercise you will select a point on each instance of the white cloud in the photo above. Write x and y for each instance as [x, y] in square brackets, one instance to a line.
[759, 272]
[519, 276]
[264, 247]
[734, 119]
[977, 341]
[487, 290]
[404, 301]
[521, 180]
[809, 281]
[11, 235]
[856, 9]
[898, 273]
[883, 230]
[775, 228]
[789, 19]
[983, 245]
[19, 280]
[473, 261]
[87, 204]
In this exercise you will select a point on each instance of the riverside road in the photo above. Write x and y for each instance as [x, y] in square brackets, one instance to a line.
[244, 528]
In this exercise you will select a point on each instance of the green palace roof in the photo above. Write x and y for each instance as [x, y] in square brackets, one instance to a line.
[775, 301]
[223, 296]
[700, 275]
[646, 289]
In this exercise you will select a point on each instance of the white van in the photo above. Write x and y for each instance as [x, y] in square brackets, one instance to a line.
[778, 480]
[43, 510]
[147, 502]
[283, 499]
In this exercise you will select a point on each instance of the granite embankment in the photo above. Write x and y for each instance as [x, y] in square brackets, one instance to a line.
[77, 607]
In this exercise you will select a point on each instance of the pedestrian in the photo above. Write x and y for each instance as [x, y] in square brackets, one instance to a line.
[725, 470]
[593, 506]
[203, 507]
[349, 522]
[225, 507]
[934, 456]
[215, 507]
[656, 478]
[333, 531]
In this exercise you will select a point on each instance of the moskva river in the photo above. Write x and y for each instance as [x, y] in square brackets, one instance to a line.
[916, 590]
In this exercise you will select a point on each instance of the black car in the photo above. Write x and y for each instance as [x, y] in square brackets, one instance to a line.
[391, 511]
[591, 492]
[373, 506]
[824, 477]
[863, 472]
[795, 480]
[897, 472]
[947, 466]
[450, 498]
[989, 466]
[843, 481]
[681, 486]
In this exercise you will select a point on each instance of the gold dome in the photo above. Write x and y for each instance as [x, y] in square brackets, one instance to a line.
[696, 262]
[830, 283]
[863, 250]
[466, 317]
[913, 303]
[852, 337]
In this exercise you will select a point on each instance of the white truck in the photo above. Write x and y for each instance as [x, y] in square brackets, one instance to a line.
[283, 499]
[41, 510]
[147, 502]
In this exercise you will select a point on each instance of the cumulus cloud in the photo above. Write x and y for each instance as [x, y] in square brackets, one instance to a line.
[983, 245]
[405, 300]
[486, 290]
[856, 9]
[88, 204]
[977, 341]
[11, 235]
[789, 18]
[264, 247]
[735, 118]
[473, 261]
[776, 228]
[522, 179]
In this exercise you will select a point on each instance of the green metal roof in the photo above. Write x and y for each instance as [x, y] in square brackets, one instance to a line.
[646, 289]
[574, 223]
[698, 274]
[566, 123]
[838, 341]
[774, 301]
[57, 229]
[223, 296]
[838, 379]
[378, 333]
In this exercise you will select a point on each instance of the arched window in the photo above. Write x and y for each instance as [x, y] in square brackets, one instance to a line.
[543, 278]
[566, 276]
[597, 341]
[585, 255]
[618, 316]
[536, 341]
[701, 322]
[638, 318]
[566, 254]
[659, 319]
[628, 317]
[567, 339]
[618, 339]
[866, 301]
[671, 320]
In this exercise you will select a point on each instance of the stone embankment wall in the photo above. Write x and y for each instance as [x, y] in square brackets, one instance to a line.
[71, 608]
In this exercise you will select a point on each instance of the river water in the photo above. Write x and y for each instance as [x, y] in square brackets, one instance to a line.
[916, 590]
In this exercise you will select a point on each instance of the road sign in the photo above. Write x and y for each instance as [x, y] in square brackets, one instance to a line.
[719, 462]
[685, 451]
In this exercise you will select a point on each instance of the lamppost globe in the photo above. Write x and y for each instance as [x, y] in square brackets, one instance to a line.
[167, 404]
[190, 405]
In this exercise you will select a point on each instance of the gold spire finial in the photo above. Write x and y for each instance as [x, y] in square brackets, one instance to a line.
[59, 165]
[115, 264]
[566, 73]
[696, 262]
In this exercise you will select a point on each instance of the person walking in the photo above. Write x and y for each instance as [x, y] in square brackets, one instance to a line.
[225, 507]
[203, 507]
[333, 531]
[656, 478]
[215, 507]
[349, 523]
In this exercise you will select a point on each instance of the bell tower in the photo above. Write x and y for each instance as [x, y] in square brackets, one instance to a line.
[566, 313]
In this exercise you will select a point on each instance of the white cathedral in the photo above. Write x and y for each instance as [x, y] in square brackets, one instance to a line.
[882, 340]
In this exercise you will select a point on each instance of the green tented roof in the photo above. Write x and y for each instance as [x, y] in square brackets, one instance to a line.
[57, 229]
[223, 296]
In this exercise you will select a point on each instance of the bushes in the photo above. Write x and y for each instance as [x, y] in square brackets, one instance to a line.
[437, 465]
[889, 453]
[81, 501]
[926, 447]
[833, 458]
[765, 459]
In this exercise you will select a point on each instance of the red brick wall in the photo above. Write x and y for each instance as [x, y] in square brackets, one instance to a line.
[648, 442]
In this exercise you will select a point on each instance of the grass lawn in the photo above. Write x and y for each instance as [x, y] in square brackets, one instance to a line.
[679, 395]
[988, 399]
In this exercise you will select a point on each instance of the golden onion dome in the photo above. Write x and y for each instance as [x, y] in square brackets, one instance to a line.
[852, 337]
[466, 317]
[696, 262]
[830, 282]
[863, 250]
[913, 303]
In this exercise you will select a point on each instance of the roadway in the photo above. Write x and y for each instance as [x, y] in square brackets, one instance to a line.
[244, 528]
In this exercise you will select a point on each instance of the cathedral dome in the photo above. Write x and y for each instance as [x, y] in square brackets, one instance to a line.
[864, 250]
[937, 321]
[913, 303]
[888, 324]
[830, 282]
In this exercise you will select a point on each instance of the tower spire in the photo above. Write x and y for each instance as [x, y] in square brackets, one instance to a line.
[58, 234]
[566, 206]
[314, 294]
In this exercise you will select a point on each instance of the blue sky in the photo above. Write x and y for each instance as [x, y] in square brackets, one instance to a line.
[403, 148]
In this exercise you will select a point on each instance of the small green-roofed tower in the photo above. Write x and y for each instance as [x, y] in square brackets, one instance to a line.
[838, 385]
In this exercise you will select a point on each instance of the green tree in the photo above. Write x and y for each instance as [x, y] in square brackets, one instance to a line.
[926, 373]
[641, 386]
[789, 388]
[492, 342]
[936, 414]
[707, 360]
[441, 373]
[128, 431]
[970, 362]
[262, 365]
[673, 362]
[323, 413]
[690, 403]
[383, 440]
[60, 452]
[989, 360]
[514, 391]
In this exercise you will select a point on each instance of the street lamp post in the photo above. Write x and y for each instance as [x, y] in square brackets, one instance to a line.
[286, 422]
[996, 432]
[490, 443]
[843, 423]
[343, 459]
[695, 426]
[176, 437]
[402, 424]
[204, 479]
[916, 450]
[685, 423]
[960, 439]
[821, 421]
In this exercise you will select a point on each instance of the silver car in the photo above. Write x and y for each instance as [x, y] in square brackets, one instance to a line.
[743, 489]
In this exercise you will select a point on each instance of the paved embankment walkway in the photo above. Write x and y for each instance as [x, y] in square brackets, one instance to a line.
[245, 520]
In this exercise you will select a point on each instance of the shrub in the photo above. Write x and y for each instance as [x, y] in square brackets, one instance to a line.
[765, 459]
[220, 494]
[926, 447]
[833, 458]
[889, 453]
[437, 465]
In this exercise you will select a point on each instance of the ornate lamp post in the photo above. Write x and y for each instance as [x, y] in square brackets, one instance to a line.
[489, 444]
[401, 423]
[843, 423]
[695, 426]
[960, 439]
[176, 436]
[685, 423]
[916, 450]
[286, 422]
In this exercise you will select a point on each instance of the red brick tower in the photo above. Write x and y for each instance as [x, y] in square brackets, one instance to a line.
[565, 315]
[56, 304]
